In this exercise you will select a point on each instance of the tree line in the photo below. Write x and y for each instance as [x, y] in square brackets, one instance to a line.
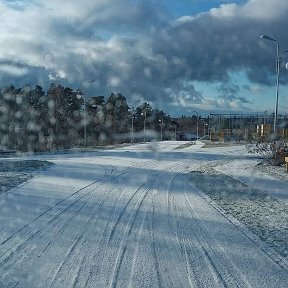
[34, 120]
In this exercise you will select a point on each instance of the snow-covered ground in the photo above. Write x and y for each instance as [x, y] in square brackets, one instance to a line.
[145, 215]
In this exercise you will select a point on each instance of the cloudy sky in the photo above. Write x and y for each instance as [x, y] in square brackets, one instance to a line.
[182, 56]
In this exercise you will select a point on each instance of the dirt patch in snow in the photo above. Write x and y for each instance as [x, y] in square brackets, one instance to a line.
[15, 172]
[265, 216]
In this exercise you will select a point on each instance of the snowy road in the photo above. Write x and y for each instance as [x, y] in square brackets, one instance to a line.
[126, 218]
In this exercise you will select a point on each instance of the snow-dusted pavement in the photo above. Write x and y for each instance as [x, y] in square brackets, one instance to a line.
[129, 217]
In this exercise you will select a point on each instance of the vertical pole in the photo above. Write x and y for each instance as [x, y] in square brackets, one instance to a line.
[85, 122]
[197, 127]
[277, 89]
[204, 130]
[145, 125]
[162, 129]
[132, 128]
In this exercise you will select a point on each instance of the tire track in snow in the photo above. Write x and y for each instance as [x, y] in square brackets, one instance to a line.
[131, 255]
[110, 229]
[34, 231]
[82, 241]
[68, 253]
[185, 243]
[171, 267]
[216, 278]
[182, 241]
[93, 218]
[173, 227]
[160, 257]
[225, 269]
[46, 211]
[136, 249]
[203, 273]
[64, 213]
[126, 238]
[110, 237]
[13, 253]
[121, 215]
[189, 270]
[127, 233]
[155, 256]
[199, 269]
[66, 220]
[172, 212]
[270, 252]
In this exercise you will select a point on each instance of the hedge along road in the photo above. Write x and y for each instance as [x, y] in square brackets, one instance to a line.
[127, 217]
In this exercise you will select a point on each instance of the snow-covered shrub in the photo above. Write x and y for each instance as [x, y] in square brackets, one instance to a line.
[275, 151]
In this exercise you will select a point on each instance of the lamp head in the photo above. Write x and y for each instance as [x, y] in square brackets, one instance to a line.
[267, 38]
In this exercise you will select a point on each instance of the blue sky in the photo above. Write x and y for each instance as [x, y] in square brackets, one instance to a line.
[180, 56]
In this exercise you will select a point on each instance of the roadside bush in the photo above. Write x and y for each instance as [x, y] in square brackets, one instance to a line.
[275, 152]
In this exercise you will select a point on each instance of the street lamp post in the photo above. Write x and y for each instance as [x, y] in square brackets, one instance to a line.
[161, 126]
[175, 132]
[85, 121]
[83, 96]
[205, 125]
[79, 95]
[144, 114]
[277, 79]
[132, 125]
[197, 126]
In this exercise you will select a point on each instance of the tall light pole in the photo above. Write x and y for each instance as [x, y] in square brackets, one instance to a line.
[132, 122]
[83, 95]
[277, 79]
[144, 113]
[161, 126]
[197, 126]
[205, 125]
[132, 125]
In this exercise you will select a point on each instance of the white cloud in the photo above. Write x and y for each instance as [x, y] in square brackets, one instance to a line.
[80, 40]
[265, 9]
[256, 89]
[13, 70]
[225, 10]
[114, 81]
[253, 9]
